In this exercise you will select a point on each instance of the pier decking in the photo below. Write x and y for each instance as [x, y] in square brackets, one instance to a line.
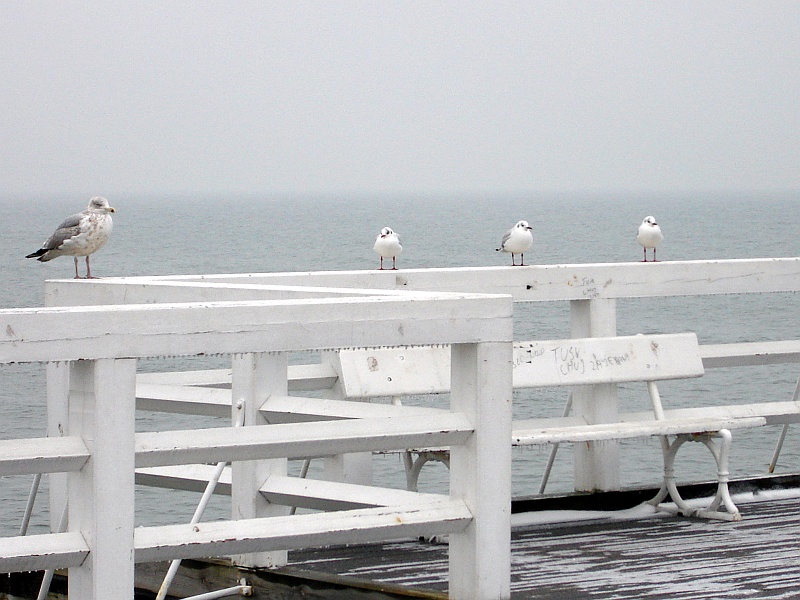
[622, 556]
[93, 333]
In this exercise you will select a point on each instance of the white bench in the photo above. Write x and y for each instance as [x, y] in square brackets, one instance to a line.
[571, 362]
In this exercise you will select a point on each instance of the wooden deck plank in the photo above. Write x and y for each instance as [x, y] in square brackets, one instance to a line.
[658, 558]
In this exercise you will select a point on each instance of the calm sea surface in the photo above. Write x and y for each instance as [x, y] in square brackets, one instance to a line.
[164, 236]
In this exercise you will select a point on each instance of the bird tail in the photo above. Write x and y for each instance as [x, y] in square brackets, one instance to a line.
[37, 254]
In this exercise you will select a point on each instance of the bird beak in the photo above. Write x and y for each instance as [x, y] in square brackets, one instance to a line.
[112, 209]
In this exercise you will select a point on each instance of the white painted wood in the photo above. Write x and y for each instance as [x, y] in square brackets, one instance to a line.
[288, 491]
[596, 466]
[773, 413]
[101, 499]
[607, 360]
[256, 377]
[190, 478]
[330, 496]
[299, 409]
[617, 431]
[394, 372]
[271, 325]
[750, 353]
[42, 455]
[350, 467]
[41, 552]
[480, 471]
[155, 449]
[200, 377]
[299, 531]
[146, 290]
[57, 381]
[191, 400]
[162, 391]
[302, 378]
[526, 284]
[135, 331]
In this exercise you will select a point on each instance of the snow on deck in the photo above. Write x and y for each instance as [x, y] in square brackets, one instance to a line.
[622, 556]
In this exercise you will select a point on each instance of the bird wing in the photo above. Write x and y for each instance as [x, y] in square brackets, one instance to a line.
[70, 227]
[505, 238]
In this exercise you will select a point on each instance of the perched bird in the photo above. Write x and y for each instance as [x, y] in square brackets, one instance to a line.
[649, 236]
[516, 241]
[387, 245]
[81, 234]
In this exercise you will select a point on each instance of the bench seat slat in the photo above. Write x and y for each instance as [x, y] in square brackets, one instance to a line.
[618, 431]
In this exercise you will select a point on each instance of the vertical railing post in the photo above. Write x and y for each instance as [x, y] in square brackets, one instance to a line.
[102, 406]
[256, 377]
[348, 468]
[596, 465]
[481, 388]
[57, 415]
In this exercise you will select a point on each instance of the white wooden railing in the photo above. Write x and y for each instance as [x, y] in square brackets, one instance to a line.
[592, 291]
[94, 331]
[92, 353]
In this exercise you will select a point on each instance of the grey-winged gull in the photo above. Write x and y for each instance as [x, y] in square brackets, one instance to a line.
[387, 245]
[649, 236]
[82, 234]
[516, 241]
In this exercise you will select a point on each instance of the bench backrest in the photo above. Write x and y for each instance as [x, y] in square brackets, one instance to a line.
[585, 361]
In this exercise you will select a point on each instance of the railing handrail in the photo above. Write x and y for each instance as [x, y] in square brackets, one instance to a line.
[538, 283]
[92, 352]
[231, 327]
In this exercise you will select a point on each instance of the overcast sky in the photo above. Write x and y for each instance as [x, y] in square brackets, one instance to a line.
[342, 97]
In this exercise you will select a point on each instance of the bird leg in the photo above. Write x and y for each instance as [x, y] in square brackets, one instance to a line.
[645, 254]
[522, 260]
[394, 265]
[381, 269]
[654, 255]
[76, 268]
[88, 270]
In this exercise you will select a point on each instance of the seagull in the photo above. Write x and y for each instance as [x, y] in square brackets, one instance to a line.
[387, 245]
[649, 236]
[82, 234]
[516, 241]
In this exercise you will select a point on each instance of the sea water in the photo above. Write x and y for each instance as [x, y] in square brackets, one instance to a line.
[233, 234]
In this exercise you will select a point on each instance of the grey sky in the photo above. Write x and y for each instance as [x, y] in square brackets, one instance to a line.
[398, 97]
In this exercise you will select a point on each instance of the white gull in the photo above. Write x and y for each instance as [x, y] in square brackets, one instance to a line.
[82, 234]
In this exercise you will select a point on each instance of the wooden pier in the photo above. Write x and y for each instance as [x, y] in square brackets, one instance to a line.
[440, 331]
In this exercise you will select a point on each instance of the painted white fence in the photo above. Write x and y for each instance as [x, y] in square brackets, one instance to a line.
[92, 352]
[592, 291]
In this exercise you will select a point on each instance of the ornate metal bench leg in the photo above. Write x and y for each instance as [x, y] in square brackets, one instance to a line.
[414, 466]
[721, 453]
[408, 463]
[669, 488]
